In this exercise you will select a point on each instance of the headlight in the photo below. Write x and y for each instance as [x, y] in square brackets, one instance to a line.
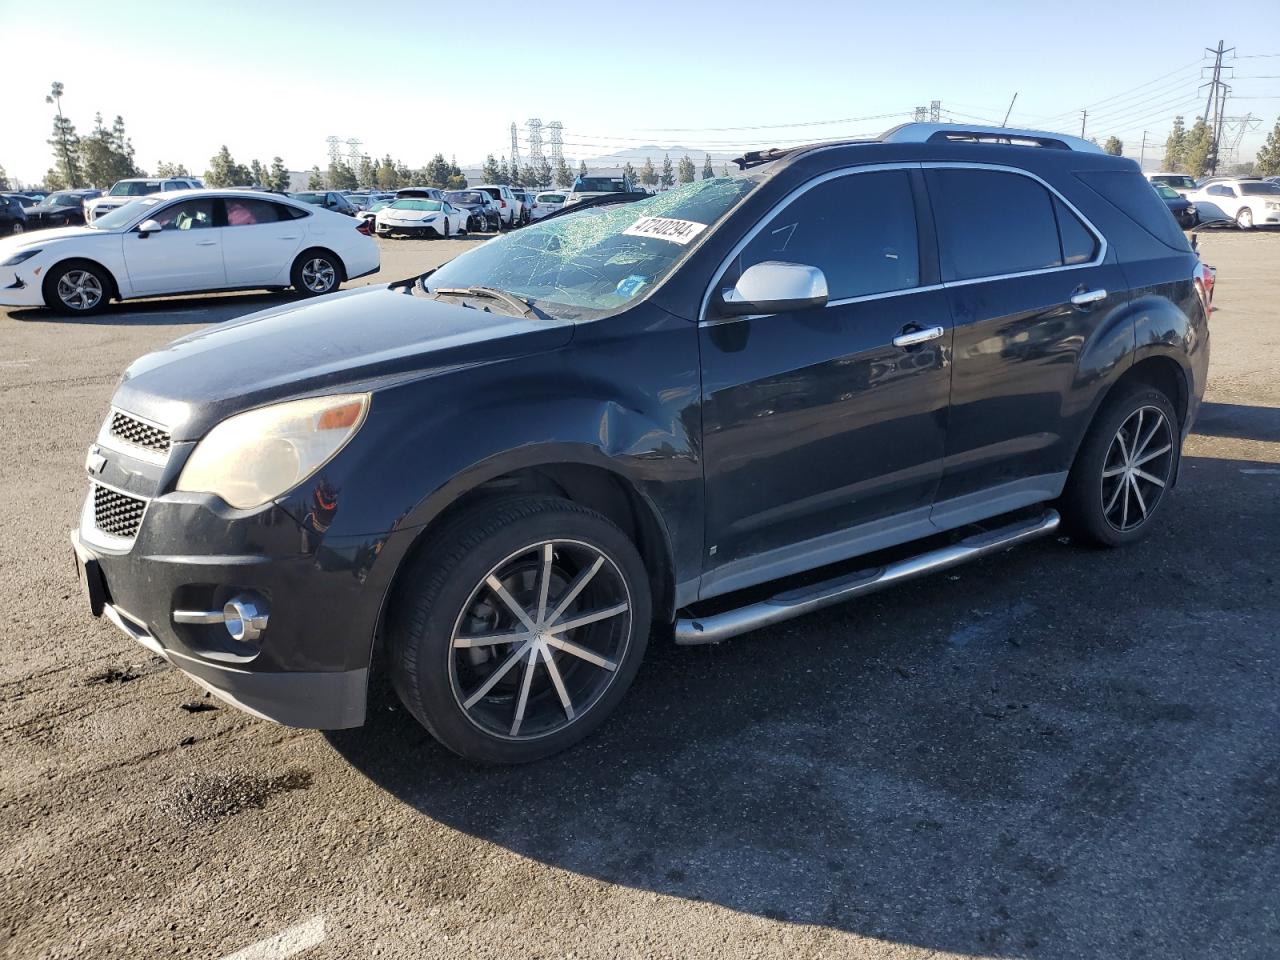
[1273, 205]
[19, 257]
[254, 457]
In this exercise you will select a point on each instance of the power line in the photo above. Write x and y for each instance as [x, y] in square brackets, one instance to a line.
[1123, 93]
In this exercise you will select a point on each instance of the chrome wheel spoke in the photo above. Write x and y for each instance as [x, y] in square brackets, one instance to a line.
[1124, 482]
[1142, 504]
[558, 682]
[489, 639]
[1124, 515]
[586, 618]
[517, 611]
[576, 588]
[497, 675]
[1152, 478]
[1113, 471]
[525, 682]
[1151, 456]
[568, 646]
[1146, 441]
[548, 554]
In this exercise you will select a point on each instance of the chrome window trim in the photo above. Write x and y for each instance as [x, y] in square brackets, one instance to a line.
[105, 439]
[705, 320]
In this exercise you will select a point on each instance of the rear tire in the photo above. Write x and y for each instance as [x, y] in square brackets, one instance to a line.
[315, 273]
[1122, 474]
[535, 692]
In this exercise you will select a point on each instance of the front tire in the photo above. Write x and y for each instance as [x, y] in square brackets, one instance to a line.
[518, 628]
[77, 287]
[1244, 218]
[315, 273]
[1125, 467]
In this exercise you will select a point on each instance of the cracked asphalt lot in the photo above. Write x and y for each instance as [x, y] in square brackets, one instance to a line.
[1053, 753]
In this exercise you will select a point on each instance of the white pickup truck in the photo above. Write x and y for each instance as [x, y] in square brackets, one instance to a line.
[126, 191]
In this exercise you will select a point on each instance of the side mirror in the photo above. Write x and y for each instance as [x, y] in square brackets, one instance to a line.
[774, 287]
[147, 227]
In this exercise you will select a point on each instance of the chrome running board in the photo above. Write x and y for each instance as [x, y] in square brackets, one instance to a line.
[795, 603]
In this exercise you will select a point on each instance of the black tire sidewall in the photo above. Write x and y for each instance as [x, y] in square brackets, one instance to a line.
[433, 593]
[1082, 498]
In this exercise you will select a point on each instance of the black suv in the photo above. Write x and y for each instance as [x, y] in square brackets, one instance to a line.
[856, 362]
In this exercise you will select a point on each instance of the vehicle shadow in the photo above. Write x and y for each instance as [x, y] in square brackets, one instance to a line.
[1238, 420]
[1056, 752]
[167, 311]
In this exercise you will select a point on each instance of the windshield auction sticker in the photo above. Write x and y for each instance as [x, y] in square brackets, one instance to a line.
[664, 228]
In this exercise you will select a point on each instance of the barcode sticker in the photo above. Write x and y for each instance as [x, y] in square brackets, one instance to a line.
[665, 228]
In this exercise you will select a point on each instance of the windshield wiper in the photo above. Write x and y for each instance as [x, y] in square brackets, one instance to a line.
[518, 304]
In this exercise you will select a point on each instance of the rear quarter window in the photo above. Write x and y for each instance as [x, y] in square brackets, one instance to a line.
[1129, 192]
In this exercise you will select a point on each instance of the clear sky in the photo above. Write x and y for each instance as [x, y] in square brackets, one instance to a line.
[411, 79]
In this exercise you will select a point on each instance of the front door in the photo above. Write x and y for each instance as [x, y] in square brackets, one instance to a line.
[186, 254]
[822, 438]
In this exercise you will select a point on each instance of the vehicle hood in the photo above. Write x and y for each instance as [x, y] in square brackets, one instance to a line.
[12, 244]
[355, 340]
[409, 216]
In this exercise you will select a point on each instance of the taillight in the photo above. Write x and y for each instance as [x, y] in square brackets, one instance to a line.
[1205, 279]
[363, 227]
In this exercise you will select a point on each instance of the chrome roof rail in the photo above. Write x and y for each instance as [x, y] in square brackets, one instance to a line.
[1010, 136]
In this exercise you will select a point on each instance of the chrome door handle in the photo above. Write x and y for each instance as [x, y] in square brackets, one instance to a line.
[913, 338]
[1086, 297]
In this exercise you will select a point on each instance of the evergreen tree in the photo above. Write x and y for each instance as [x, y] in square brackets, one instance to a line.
[66, 146]
[490, 169]
[1113, 146]
[106, 155]
[504, 172]
[278, 176]
[544, 173]
[708, 171]
[1197, 157]
[164, 169]
[258, 173]
[648, 174]
[340, 176]
[1175, 146]
[225, 172]
[437, 172]
[563, 175]
[315, 179]
[724, 170]
[386, 175]
[582, 168]
[365, 173]
[457, 181]
[668, 177]
[630, 175]
[4, 179]
[1267, 163]
[686, 170]
[404, 176]
[529, 176]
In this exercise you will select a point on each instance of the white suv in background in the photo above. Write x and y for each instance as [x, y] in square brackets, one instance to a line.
[126, 191]
[1248, 202]
[510, 207]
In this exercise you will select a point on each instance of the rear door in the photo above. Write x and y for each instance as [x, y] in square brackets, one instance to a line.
[260, 241]
[185, 255]
[1013, 254]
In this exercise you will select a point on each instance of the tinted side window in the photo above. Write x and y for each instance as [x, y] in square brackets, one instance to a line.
[860, 230]
[245, 212]
[991, 223]
[291, 213]
[1078, 244]
[1128, 192]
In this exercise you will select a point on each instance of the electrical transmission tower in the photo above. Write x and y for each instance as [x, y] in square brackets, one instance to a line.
[335, 148]
[535, 140]
[1215, 103]
[1234, 129]
[557, 143]
[921, 114]
[935, 111]
[353, 149]
[515, 146]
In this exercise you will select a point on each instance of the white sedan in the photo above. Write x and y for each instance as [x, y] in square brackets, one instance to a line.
[186, 242]
[1248, 202]
[418, 217]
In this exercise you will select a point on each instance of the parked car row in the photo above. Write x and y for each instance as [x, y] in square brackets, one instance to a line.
[1246, 201]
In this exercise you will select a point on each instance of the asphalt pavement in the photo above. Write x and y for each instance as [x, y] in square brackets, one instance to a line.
[1056, 752]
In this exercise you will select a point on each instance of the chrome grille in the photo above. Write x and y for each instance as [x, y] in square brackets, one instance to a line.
[117, 513]
[126, 428]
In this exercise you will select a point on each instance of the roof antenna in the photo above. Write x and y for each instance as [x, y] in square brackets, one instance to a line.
[1005, 122]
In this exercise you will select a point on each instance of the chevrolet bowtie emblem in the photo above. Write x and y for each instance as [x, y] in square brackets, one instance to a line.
[95, 461]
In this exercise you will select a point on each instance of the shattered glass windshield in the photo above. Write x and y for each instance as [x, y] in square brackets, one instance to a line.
[584, 264]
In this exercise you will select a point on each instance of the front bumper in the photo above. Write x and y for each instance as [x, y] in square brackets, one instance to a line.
[191, 552]
[20, 287]
[409, 229]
